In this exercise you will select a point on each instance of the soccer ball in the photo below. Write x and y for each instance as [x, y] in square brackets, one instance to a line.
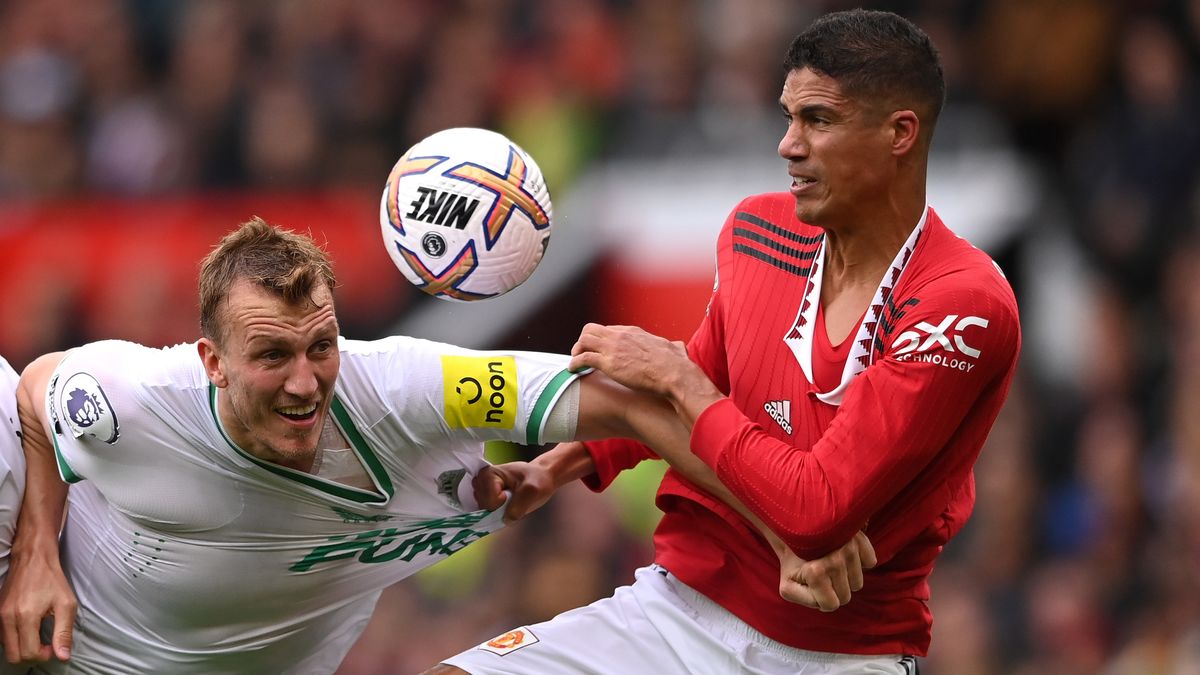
[466, 214]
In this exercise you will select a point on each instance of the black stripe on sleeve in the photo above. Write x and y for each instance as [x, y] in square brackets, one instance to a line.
[773, 244]
[772, 260]
[772, 227]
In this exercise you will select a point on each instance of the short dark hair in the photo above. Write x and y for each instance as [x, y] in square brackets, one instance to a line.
[290, 265]
[877, 58]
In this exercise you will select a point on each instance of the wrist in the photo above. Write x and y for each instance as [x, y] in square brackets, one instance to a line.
[691, 393]
[35, 549]
[566, 462]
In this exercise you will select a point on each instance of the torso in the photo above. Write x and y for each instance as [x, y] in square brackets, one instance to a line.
[764, 351]
[177, 528]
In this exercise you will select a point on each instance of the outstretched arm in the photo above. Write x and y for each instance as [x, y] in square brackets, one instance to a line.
[608, 409]
[36, 586]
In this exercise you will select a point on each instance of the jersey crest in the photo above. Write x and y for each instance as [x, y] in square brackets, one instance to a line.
[81, 404]
[511, 641]
[447, 485]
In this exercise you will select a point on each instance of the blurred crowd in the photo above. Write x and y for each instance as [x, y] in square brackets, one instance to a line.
[1083, 552]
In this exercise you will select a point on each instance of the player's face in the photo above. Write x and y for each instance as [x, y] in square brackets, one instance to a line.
[277, 370]
[837, 152]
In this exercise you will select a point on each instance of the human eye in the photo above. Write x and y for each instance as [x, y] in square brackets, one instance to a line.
[323, 347]
[818, 120]
[817, 116]
[271, 356]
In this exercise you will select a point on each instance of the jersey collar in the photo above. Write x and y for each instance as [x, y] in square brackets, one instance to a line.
[341, 417]
[799, 337]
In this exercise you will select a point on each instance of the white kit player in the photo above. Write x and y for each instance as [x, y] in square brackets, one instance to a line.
[239, 564]
[239, 503]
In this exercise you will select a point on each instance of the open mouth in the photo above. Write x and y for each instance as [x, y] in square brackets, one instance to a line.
[298, 413]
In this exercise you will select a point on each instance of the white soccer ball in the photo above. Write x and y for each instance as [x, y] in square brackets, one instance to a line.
[466, 214]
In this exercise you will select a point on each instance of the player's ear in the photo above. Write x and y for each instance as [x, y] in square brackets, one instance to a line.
[905, 127]
[211, 358]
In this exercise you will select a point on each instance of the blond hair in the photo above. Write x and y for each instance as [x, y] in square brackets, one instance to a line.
[289, 265]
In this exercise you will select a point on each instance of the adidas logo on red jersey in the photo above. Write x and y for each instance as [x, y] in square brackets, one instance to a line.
[781, 412]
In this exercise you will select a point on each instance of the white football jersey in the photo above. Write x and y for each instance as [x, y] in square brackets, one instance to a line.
[189, 555]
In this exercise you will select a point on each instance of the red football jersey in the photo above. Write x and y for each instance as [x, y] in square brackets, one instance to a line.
[889, 450]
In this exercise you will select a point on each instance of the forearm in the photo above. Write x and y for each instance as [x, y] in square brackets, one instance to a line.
[691, 393]
[657, 425]
[45, 493]
[566, 462]
[884, 441]
[609, 408]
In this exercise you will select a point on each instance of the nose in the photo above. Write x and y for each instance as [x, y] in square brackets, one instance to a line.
[301, 381]
[793, 144]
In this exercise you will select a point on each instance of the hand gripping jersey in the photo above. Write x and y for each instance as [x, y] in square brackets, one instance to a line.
[189, 555]
[889, 449]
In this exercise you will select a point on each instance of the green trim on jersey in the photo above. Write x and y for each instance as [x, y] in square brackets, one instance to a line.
[64, 469]
[370, 461]
[360, 445]
[541, 408]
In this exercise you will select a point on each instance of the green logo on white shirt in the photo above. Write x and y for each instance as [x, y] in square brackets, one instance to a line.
[441, 536]
[352, 517]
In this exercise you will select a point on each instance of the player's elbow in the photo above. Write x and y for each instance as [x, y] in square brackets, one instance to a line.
[814, 538]
[31, 388]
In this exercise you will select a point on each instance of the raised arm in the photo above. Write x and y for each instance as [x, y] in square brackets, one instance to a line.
[36, 586]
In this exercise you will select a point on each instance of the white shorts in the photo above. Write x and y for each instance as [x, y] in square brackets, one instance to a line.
[658, 626]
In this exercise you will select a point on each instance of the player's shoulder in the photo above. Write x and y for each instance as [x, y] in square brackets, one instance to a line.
[96, 382]
[363, 357]
[952, 297]
[947, 267]
[398, 347]
[120, 361]
[123, 350]
[763, 226]
[773, 211]
[377, 372]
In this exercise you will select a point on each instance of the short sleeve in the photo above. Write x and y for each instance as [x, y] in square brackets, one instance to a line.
[89, 393]
[436, 390]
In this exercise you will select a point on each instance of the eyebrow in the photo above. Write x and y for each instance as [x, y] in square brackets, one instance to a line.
[809, 110]
[258, 341]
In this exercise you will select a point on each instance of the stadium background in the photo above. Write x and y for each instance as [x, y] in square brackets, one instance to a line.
[133, 132]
